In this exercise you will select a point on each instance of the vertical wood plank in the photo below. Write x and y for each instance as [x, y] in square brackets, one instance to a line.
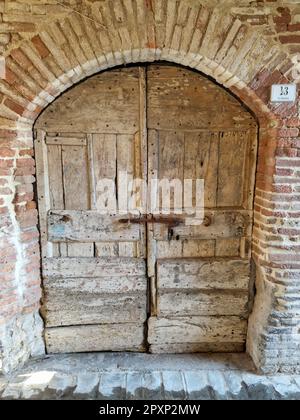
[76, 190]
[43, 191]
[201, 162]
[141, 152]
[250, 169]
[56, 189]
[125, 165]
[104, 156]
[231, 176]
[171, 161]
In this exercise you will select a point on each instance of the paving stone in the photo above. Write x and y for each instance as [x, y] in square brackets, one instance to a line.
[40, 380]
[134, 386]
[112, 386]
[258, 388]
[12, 392]
[61, 386]
[286, 387]
[236, 388]
[197, 385]
[174, 387]
[152, 385]
[218, 384]
[3, 385]
[87, 385]
[36, 384]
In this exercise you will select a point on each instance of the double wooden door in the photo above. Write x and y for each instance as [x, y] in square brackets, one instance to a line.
[145, 282]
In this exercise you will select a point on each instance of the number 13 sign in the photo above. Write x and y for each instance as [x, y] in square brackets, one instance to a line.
[284, 93]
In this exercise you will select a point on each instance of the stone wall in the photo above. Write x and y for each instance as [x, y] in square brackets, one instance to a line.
[244, 45]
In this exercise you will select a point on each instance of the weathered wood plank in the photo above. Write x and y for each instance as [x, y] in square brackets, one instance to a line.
[198, 248]
[76, 190]
[188, 348]
[230, 247]
[91, 338]
[66, 141]
[170, 167]
[231, 174]
[103, 156]
[217, 224]
[93, 267]
[191, 101]
[196, 330]
[201, 274]
[43, 188]
[73, 306]
[203, 302]
[201, 159]
[89, 226]
[105, 103]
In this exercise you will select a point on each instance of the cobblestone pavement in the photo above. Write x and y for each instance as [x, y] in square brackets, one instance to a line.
[142, 376]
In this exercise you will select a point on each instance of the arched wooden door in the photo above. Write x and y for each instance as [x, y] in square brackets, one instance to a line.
[137, 283]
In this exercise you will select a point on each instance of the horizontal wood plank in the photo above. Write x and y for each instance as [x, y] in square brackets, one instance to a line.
[105, 103]
[216, 224]
[196, 330]
[94, 301]
[188, 348]
[199, 274]
[195, 303]
[191, 101]
[93, 267]
[89, 226]
[66, 141]
[92, 338]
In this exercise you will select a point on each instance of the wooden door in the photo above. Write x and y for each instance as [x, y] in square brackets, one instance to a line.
[94, 268]
[201, 274]
[110, 285]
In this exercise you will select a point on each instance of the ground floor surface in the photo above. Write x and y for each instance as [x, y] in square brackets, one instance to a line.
[129, 376]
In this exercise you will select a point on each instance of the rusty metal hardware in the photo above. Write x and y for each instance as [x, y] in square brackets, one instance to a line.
[207, 221]
[165, 220]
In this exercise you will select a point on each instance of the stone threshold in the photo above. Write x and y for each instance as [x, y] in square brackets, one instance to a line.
[127, 376]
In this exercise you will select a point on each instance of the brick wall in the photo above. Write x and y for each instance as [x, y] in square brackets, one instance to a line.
[244, 45]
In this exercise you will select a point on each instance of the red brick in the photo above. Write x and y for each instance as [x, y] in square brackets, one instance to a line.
[293, 122]
[288, 163]
[40, 46]
[25, 171]
[284, 172]
[287, 152]
[6, 152]
[283, 189]
[15, 107]
[4, 210]
[288, 132]
[294, 27]
[26, 152]
[289, 39]
[23, 197]
[21, 58]
[6, 163]
[25, 162]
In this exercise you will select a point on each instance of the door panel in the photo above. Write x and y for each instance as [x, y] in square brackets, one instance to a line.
[197, 132]
[94, 269]
[104, 275]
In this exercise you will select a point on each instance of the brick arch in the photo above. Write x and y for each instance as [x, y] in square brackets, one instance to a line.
[46, 70]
